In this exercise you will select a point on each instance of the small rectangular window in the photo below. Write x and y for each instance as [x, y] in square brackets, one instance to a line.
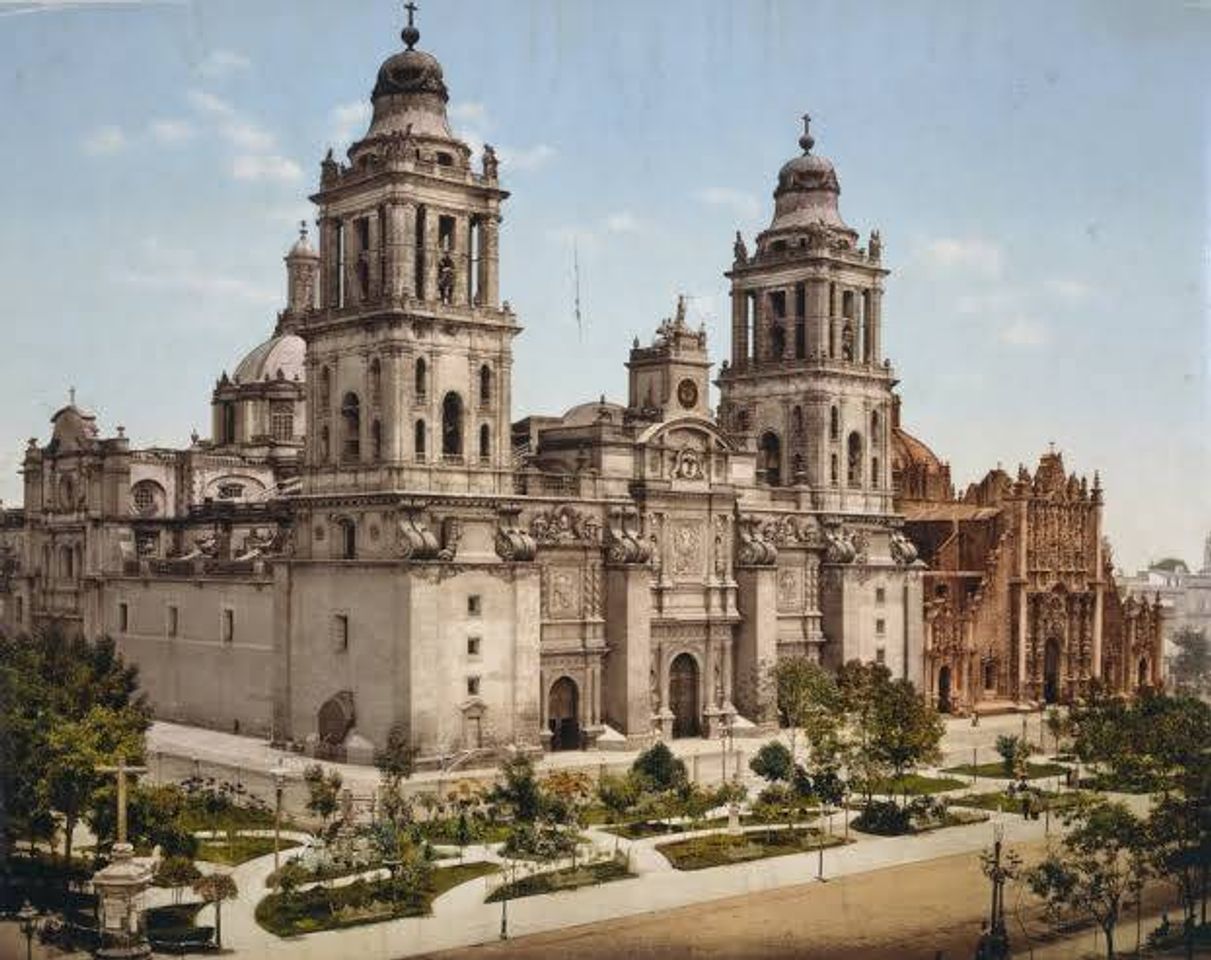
[228, 626]
[472, 686]
[880, 655]
[123, 617]
[474, 605]
[340, 631]
[473, 646]
[880, 626]
[173, 621]
[880, 595]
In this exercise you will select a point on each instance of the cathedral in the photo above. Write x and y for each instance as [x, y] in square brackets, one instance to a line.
[368, 540]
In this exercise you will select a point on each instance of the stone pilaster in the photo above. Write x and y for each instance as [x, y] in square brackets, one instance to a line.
[756, 643]
[628, 694]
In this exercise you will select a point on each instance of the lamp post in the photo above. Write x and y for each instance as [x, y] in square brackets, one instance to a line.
[504, 901]
[391, 863]
[279, 782]
[28, 917]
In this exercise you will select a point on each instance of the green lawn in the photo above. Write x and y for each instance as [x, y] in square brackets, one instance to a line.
[445, 832]
[721, 849]
[323, 908]
[239, 849]
[566, 879]
[641, 829]
[998, 800]
[1109, 783]
[913, 785]
[1034, 771]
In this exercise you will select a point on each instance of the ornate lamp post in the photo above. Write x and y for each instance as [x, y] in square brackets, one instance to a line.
[28, 917]
[279, 783]
[994, 942]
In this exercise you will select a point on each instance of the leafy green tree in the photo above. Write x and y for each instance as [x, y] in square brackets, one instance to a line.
[176, 873]
[618, 794]
[808, 700]
[1191, 667]
[1057, 726]
[906, 731]
[323, 791]
[155, 817]
[860, 686]
[215, 888]
[658, 769]
[395, 760]
[1013, 750]
[518, 790]
[1101, 862]
[773, 762]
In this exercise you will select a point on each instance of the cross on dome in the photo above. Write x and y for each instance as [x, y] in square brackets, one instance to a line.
[807, 141]
[410, 34]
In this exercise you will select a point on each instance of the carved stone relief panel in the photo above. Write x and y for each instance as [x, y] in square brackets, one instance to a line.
[564, 601]
[790, 590]
[688, 558]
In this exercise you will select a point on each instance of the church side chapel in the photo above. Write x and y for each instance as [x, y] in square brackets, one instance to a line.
[369, 541]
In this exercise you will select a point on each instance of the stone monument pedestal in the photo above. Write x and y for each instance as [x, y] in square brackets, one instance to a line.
[120, 888]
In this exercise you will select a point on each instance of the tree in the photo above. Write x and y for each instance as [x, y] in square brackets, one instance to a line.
[323, 791]
[567, 795]
[906, 731]
[154, 818]
[658, 769]
[773, 762]
[1191, 667]
[808, 700]
[1013, 751]
[1057, 726]
[215, 888]
[618, 795]
[519, 791]
[395, 760]
[175, 873]
[860, 686]
[1101, 863]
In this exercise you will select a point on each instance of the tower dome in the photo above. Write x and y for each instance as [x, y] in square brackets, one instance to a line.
[808, 190]
[410, 93]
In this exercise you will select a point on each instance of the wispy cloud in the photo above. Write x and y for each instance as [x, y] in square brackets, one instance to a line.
[740, 203]
[162, 267]
[1068, 290]
[220, 64]
[171, 131]
[1025, 332]
[973, 254]
[526, 158]
[271, 167]
[623, 222]
[350, 120]
[468, 112]
[105, 141]
[209, 104]
[18, 8]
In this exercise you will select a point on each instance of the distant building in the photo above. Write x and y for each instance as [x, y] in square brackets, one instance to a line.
[1184, 594]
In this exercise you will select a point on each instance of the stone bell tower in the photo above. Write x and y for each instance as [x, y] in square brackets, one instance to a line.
[410, 352]
[807, 379]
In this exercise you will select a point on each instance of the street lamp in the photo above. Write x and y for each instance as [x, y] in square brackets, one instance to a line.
[28, 917]
[279, 782]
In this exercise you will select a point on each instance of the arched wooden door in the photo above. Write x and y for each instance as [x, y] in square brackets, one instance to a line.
[944, 690]
[563, 706]
[683, 696]
[1051, 671]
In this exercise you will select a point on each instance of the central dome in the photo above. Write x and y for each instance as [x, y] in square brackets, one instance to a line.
[410, 94]
[411, 72]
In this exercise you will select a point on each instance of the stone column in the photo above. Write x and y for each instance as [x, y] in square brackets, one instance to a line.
[374, 258]
[329, 255]
[460, 245]
[432, 255]
[489, 256]
[628, 632]
[756, 643]
[739, 328]
[876, 325]
[396, 265]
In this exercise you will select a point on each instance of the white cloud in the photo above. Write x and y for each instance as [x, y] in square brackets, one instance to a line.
[1069, 290]
[223, 63]
[164, 267]
[742, 204]
[1025, 332]
[350, 120]
[247, 136]
[17, 8]
[525, 158]
[105, 141]
[469, 112]
[271, 167]
[171, 131]
[623, 222]
[209, 104]
[973, 254]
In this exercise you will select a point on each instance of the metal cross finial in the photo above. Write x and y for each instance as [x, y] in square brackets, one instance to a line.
[807, 141]
[71, 394]
[302, 229]
[410, 34]
[411, 8]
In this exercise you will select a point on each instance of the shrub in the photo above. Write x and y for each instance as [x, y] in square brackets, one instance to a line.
[1013, 751]
[658, 769]
[885, 818]
[773, 762]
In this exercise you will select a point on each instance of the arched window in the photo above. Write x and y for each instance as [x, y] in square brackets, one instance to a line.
[797, 420]
[281, 420]
[65, 562]
[485, 443]
[422, 378]
[777, 342]
[854, 451]
[769, 459]
[874, 472]
[351, 419]
[452, 425]
[376, 440]
[419, 440]
[376, 381]
[228, 423]
[834, 424]
[325, 386]
[325, 444]
[832, 469]
[485, 385]
[875, 427]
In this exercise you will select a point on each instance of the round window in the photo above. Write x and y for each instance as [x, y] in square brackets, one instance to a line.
[687, 393]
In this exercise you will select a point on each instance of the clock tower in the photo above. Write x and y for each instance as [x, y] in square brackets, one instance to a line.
[669, 378]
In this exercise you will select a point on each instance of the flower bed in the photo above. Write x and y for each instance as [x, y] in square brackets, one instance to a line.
[1034, 771]
[239, 849]
[913, 785]
[554, 881]
[721, 849]
[1001, 802]
[885, 818]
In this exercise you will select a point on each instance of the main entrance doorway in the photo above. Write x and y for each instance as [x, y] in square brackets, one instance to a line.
[1051, 671]
[562, 715]
[944, 690]
[683, 696]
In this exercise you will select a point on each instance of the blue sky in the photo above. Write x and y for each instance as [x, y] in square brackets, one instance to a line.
[1039, 172]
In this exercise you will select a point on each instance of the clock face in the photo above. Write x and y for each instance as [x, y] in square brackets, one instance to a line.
[687, 393]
